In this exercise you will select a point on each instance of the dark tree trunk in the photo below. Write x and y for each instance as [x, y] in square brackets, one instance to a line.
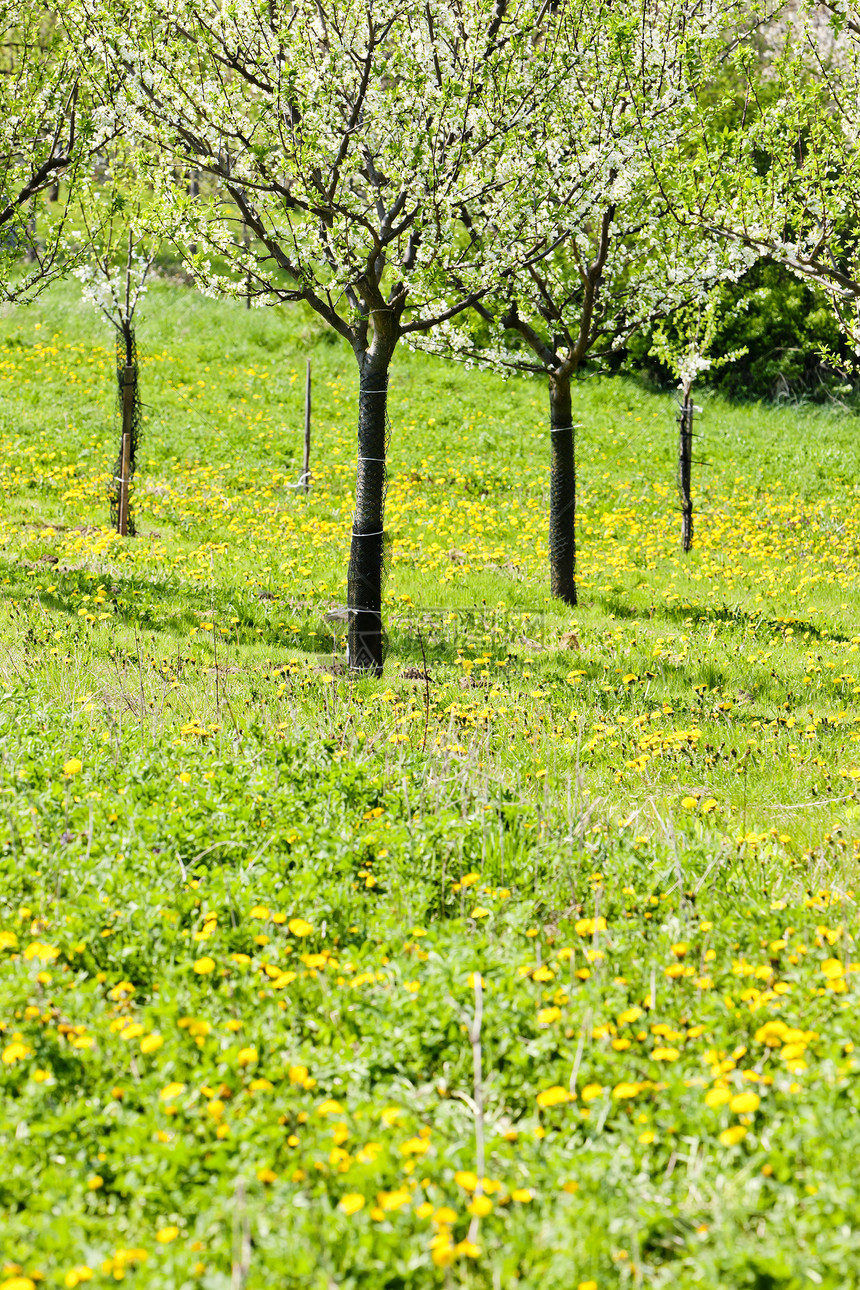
[685, 463]
[127, 375]
[366, 560]
[246, 239]
[562, 491]
[127, 344]
[30, 255]
[193, 191]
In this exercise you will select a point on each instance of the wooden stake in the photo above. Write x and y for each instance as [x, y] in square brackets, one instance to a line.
[478, 1095]
[685, 460]
[128, 383]
[306, 468]
[247, 241]
[241, 1265]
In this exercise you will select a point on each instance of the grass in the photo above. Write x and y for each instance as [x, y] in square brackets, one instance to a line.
[244, 900]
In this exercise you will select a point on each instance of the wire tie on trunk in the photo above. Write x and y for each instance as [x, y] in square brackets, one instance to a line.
[558, 429]
[378, 533]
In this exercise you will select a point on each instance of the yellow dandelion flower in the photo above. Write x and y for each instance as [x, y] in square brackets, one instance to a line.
[330, 1107]
[445, 1216]
[771, 1033]
[414, 1147]
[75, 1276]
[442, 1250]
[15, 1052]
[351, 1203]
[480, 1207]
[591, 1091]
[624, 1091]
[588, 926]
[555, 1096]
[468, 1249]
[393, 1200]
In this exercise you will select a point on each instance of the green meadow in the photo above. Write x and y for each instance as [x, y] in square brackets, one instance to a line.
[531, 963]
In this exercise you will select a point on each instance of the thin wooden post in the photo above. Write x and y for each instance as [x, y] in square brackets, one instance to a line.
[31, 256]
[247, 242]
[474, 1032]
[129, 378]
[306, 467]
[685, 461]
[193, 191]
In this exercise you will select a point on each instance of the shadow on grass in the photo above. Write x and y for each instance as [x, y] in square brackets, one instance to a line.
[172, 608]
[687, 613]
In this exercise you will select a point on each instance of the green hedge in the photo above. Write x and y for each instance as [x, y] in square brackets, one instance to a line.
[784, 324]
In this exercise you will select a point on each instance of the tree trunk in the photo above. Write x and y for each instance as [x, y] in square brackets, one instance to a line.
[127, 375]
[246, 239]
[685, 462]
[365, 637]
[125, 450]
[30, 255]
[562, 491]
[193, 191]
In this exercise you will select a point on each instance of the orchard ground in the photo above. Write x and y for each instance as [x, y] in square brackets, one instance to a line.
[246, 900]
